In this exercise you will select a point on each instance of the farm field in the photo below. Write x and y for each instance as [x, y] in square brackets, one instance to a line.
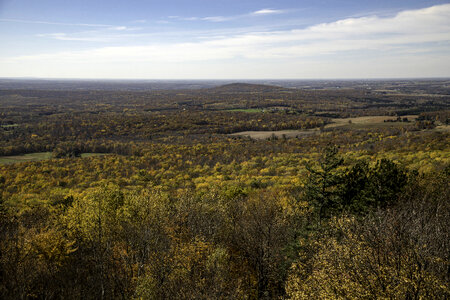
[355, 122]
[25, 157]
[370, 120]
[36, 157]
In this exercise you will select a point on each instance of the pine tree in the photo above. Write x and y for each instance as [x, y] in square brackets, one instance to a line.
[324, 184]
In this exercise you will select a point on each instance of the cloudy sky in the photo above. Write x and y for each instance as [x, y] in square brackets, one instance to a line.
[234, 39]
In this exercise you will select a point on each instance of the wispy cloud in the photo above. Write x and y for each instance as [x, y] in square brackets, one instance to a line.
[141, 21]
[267, 11]
[67, 37]
[218, 19]
[261, 12]
[101, 35]
[408, 34]
[53, 23]
[407, 29]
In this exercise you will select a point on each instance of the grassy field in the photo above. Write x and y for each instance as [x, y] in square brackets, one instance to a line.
[36, 157]
[26, 157]
[261, 135]
[369, 120]
[358, 122]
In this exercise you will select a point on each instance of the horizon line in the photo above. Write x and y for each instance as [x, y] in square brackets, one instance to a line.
[220, 79]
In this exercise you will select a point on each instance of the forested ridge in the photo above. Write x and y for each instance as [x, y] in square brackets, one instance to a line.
[148, 196]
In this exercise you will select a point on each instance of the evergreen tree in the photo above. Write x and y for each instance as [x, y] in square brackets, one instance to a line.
[324, 184]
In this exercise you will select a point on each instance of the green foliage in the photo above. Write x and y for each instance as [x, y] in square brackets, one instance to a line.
[332, 188]
[396, 253]
[356, 191]
[324, 184]
[386, 181]
[66, 150]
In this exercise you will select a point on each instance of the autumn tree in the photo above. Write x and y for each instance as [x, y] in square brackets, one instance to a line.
[398, 252]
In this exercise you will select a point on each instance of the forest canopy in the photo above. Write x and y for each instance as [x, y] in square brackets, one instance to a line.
[169, 194]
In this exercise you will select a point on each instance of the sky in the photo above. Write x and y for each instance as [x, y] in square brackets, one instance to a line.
[233, 39]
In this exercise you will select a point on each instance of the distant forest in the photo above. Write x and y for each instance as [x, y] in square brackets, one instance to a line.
[222, 190]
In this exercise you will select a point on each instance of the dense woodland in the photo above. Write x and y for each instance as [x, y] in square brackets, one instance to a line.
[147, 194]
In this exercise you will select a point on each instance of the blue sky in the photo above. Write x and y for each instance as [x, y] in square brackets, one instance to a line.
[208, 39]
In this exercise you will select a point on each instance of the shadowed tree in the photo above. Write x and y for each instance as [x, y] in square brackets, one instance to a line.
[323, 188]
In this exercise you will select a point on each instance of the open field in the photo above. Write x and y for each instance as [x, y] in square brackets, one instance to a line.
[261, 135]
[442, 128]
[25, 158]
[36, 157]
[357, 122]
[367, 120]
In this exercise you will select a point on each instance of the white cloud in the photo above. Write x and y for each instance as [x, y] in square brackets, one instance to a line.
[141, 21]
[119, 28]
[53, 23]
[267, 11]
[261, 12]
[107, 34]
[65, 37]
[217, 19]
[414, 37]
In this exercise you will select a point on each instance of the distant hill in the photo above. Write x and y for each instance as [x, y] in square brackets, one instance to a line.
[246, 88]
